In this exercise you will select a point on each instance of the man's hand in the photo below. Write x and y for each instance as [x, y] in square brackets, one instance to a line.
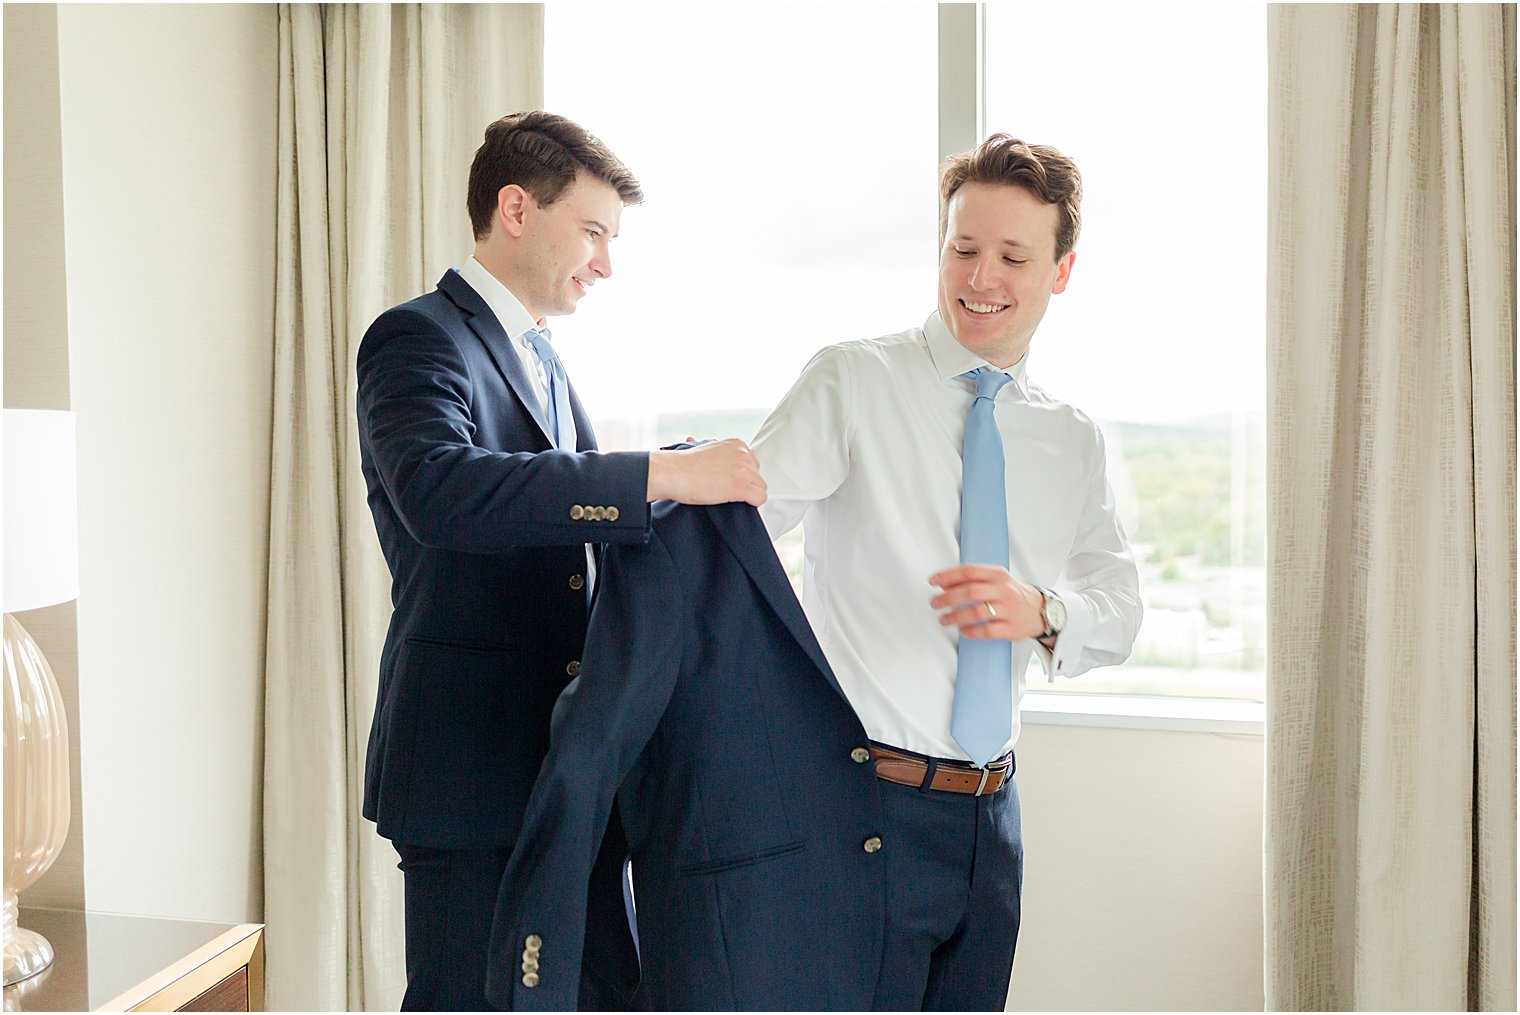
[988, 602]
[713, 473]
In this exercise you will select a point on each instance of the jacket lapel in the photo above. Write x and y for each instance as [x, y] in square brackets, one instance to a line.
[740, 527]
[494, 337]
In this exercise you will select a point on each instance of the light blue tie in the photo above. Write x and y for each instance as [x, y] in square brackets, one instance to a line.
[560, 420]
[981, 720]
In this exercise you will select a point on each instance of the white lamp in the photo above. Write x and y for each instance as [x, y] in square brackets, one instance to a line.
[41, 569]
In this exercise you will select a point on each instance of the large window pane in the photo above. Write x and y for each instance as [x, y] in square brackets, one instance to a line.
[787, 156]
[1160, 335]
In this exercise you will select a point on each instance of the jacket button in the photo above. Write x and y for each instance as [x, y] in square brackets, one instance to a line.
[872, 844]
[573, 667]
[577, 582]
[534, 942]
[577, 512]
[530, 965]
[860, 755]
[598, 513]
[530, 979]
[612, 513]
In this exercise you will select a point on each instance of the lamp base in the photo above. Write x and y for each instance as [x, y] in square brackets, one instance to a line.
[27, 952]
[36, 789]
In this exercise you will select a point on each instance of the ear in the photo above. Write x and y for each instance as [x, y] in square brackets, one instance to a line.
[511, 209]
[1063, 272]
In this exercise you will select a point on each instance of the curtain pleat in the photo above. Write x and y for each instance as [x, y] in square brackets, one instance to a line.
[1391, 681]
[381, 109]
[1486, 95]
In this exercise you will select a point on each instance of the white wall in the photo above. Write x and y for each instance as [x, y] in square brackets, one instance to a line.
[167, 118]
[1142, 871]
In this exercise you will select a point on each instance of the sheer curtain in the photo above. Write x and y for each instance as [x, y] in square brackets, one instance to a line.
[381, 108]
[1390, 879]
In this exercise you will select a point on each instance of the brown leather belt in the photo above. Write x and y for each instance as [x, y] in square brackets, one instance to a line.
[949, 776]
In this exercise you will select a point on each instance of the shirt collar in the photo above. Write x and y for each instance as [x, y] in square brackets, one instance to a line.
[951, 359]
[512, 315]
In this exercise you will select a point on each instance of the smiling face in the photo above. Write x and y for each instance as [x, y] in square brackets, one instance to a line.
[998, 270]
[563, 248]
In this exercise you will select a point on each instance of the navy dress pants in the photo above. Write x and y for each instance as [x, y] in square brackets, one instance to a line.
[955, 867]
[450, 902]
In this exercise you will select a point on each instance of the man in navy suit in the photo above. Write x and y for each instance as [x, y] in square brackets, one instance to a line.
[754, 816]
[488, 494]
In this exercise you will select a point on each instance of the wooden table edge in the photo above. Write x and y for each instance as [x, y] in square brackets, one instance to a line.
[176, 985]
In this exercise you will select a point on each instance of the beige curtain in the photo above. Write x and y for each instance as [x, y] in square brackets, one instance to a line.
[1390, 879]
[381, 108]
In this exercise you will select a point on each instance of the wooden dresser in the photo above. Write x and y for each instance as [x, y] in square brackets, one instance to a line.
[111, 962]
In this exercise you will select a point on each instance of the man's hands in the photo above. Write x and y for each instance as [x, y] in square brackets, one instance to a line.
[713, 473]
[988, 602]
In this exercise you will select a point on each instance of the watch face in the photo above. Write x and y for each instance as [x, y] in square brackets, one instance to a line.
[1055, 612]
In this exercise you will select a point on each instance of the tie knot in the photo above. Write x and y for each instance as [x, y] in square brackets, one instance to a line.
[988, 381]
[538, 338]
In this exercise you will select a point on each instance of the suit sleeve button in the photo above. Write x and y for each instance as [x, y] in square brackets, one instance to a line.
[530, 980]
[598, 513]
[577, 582]
[573, 667]
[530, 964]
[534, 942]
[612, 513]
[860, 755]
[872, 844]
[577, 512]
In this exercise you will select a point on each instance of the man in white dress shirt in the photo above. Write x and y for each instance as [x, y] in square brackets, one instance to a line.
[868, 449]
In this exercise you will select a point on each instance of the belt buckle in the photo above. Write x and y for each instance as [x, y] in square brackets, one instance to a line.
[983, 784]
[1000, 764]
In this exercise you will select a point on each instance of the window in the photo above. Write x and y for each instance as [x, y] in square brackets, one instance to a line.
[789, 159]
[787, 156]
[1161, 335]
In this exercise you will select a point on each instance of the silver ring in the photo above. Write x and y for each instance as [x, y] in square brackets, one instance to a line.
[991, 613]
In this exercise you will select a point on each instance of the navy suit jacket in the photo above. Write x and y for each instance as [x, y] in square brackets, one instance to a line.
[707, 707]
[474, 513]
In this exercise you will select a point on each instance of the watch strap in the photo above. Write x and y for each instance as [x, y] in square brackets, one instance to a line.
[1050, 632]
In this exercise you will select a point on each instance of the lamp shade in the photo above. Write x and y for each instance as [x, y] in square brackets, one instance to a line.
[41, 510]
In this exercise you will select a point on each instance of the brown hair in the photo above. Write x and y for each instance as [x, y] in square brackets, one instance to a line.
[1039, 169]
[541, 153]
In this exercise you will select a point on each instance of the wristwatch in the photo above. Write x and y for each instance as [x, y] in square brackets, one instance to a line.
[1054, 614]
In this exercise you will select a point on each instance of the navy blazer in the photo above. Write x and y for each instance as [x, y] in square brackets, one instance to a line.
[483, 526]
[707, 707]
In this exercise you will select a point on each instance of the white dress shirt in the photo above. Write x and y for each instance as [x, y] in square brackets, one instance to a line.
[517, 322]
[867, 448]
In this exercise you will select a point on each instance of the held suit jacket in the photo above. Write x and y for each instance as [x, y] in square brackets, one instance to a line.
[743, 782]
